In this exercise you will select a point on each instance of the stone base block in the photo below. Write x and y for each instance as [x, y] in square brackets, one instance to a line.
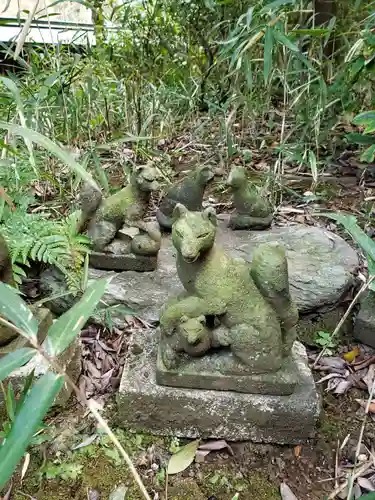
[364, 326]
[145, 406]
[70, 360]
[115, 262]
[220, 371]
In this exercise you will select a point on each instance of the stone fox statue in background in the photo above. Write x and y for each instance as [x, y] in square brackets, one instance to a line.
[103, 218]
[252, 209]
[189, 193]
[252, 303]
[6, 273]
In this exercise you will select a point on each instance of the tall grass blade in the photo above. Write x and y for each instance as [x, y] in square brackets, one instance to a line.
[25, 30]
[51, 147]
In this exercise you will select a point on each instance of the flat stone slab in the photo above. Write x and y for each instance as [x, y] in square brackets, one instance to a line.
[145, 406]
[321, 269]
[215, 372]
[138, 263]
[364, 325]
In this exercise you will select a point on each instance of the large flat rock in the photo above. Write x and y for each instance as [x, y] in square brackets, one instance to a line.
[145, 406]
[321, 269]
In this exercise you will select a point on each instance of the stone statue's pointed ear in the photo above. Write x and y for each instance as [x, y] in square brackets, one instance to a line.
[179, 211]
[202, 320]
[210, 214]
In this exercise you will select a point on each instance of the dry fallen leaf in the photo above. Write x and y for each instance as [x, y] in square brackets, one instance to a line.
[331, 363]
[363, 404]
[297, 450]
[351, 355]
[369, 378]
[286, 493]
[119, 493]
[366, 484]
[25, 465]
[200, 455]
[216, 445]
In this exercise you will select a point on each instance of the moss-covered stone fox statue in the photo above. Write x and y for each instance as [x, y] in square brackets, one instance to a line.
[189, 193]
[104, 218]
[252, 210]
[252, 303]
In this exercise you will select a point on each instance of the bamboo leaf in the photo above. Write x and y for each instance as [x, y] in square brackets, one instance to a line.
[349, 222]
[268, 49]
[284, 40]
[6, 7]
[360, 138]
[183, 458]
[15, 360]
[274, 5]
[369, 155]
[25, 30]
[50, 146]
[13, 308]
[364, 119]
[68, 326]
[36, 405]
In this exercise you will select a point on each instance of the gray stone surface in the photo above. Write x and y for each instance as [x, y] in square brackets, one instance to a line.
[364, 325]
[70, 361]
[145, 406]
[321, 269]
[139, 263]
[214, 371]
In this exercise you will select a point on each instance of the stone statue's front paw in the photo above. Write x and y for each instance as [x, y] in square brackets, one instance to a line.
[169, 356]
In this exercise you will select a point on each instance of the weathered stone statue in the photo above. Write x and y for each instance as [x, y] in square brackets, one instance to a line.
[122, 240]
[252, 211]
[189, 192]
[234, 325]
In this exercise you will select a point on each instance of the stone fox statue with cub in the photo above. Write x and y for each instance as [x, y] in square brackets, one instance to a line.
[251, 302]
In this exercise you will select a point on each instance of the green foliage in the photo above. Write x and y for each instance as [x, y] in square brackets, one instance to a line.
[33, 237]
[349, 222]
[324, 339]
[65, 470]
[367, 121]
[25, 415]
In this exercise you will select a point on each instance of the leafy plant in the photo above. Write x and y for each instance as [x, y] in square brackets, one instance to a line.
[324, 340]
[64, 470]
[40, 396]
[367, 121]
[33, 237]
[349, 222]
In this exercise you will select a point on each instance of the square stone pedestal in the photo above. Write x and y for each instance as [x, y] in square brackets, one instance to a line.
[145, 406]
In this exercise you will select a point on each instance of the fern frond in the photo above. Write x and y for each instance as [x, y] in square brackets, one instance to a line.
[34, 237]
